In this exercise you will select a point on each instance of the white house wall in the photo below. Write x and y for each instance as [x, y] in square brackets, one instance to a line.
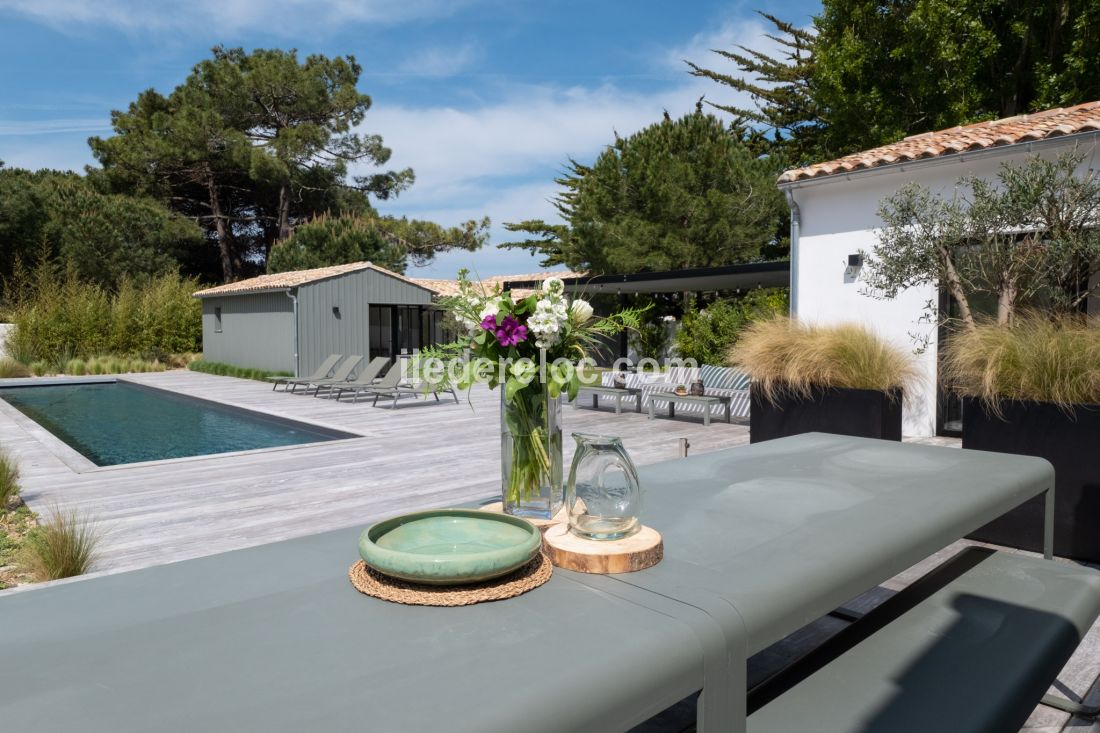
[838, 218]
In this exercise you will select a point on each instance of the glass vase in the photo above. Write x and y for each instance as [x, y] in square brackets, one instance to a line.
[531, 453]
[603, 493]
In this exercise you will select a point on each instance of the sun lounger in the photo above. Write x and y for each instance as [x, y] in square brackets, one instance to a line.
[322, 372]
[340, 374]
[393, 389]
[367, 376]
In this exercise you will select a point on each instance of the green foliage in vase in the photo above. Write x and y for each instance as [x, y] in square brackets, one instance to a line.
[534, 349]
[678, 194]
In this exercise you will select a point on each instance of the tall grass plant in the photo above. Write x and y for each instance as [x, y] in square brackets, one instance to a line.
[785, 357]
[1041, 357]
[65, 546]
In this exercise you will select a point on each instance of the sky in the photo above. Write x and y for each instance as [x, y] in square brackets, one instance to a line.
[485, 99]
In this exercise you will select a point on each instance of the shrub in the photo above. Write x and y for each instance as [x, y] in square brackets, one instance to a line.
[39, 368]
[1042, 358]
[789, 357]
[228, 370]
[9, 479]
[651, 340]
[10, 368]
[63, 547]
[59, 317]
[76, 367]
[706, 335]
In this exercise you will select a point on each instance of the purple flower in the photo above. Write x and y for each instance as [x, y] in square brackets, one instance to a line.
[489, 323]
[510, 332]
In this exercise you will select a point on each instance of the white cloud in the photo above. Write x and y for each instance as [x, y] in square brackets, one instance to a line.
[226, 17]
[468, 160]
[53, 127]
[440, 62]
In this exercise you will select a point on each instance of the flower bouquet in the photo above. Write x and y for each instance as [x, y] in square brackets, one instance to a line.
[535, 348]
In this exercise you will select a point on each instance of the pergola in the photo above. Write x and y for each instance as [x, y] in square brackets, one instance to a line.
[699, 279]
[729, 278]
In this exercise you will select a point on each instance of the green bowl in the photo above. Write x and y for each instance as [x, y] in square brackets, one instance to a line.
[449, 546]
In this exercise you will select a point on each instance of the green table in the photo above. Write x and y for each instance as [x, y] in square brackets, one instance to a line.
[759, 541]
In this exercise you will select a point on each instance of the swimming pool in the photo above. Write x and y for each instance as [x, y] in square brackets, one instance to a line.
[114, 423]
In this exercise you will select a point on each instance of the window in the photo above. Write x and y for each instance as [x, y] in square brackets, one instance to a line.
[217, 319]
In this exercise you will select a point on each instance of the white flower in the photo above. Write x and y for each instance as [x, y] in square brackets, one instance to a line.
[490, 309]
[554, 286]
[580, 311]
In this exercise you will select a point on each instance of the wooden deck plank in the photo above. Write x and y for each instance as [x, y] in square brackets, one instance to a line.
[421, 454]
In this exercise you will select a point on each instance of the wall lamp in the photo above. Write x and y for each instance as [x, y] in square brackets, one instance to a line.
[336, 311]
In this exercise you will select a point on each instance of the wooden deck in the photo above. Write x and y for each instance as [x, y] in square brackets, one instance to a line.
[421, 454]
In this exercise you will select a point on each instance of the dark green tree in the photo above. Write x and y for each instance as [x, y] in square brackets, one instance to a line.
[784, 118]
[250, 145]
[102, 238]
[386, 241]
[680, 193]
[869, 73]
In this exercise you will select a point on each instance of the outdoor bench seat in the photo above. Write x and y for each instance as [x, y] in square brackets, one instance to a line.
[970, 648]
[717, 380]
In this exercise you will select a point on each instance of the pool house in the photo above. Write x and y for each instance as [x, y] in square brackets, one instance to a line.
[291, 321]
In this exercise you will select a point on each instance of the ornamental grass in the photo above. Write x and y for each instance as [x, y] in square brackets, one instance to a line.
[786, 357]
[1040, 358]
[65, 546]
[9, 480]
[10, 368]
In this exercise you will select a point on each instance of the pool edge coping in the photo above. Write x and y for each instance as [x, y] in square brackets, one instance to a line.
[80, 464]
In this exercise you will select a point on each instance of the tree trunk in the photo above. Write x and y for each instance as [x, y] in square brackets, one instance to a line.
[955, 288]
[1006, 303]
[284, 212]
[229, 271]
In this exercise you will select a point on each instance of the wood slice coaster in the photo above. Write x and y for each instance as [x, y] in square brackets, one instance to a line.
[641, 550]
[560, 518]
[370, 582]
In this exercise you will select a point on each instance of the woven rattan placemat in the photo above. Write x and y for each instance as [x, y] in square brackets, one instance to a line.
[373, 583]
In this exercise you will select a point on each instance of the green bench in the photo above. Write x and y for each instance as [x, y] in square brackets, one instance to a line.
[970, 647]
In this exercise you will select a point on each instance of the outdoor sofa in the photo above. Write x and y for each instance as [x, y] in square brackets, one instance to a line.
[717, 380]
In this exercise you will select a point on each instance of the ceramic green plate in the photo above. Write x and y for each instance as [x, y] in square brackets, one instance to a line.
[449, 546]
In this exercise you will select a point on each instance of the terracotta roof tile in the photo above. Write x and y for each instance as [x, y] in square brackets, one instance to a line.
[1009, 131]
[296, 278]
[450, 287]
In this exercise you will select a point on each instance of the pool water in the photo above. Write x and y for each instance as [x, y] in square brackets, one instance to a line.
[114, 423]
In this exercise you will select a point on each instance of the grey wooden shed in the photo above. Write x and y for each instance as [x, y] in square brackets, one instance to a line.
[291, 321]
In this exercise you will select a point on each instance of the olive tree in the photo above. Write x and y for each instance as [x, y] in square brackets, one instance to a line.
[1029, 236]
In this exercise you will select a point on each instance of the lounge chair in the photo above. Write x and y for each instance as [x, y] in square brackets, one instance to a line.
[322, 372]
[393, 389]
[340, 374]
[365, 378]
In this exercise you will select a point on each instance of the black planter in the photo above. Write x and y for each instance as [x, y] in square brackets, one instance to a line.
[863, 413]
[1071, 442]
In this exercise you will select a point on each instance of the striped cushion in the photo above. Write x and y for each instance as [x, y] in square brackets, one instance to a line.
[719, 377]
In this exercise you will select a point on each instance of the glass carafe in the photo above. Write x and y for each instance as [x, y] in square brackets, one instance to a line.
[603, 494]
